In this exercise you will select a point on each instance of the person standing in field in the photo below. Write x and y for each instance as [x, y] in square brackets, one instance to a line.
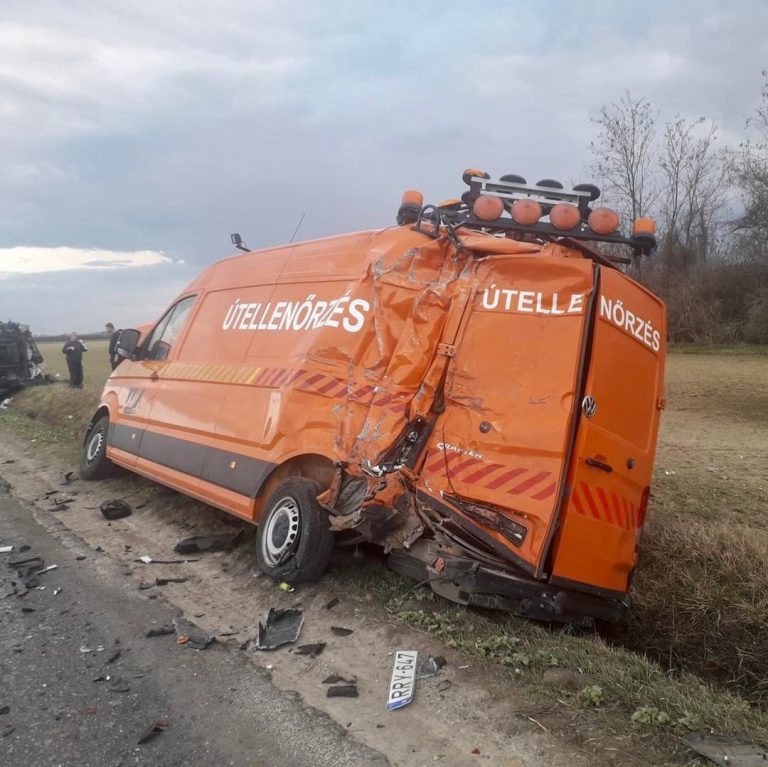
[73, 349]
[114, 336]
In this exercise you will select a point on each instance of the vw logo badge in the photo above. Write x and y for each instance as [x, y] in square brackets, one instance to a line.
[589, 406]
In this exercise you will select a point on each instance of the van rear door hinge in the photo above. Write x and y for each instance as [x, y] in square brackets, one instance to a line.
[447, 350]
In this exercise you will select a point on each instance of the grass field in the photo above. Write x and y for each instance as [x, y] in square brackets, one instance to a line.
[695, 651]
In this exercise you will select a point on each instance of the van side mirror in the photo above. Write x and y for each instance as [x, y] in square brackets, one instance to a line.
[128, 343]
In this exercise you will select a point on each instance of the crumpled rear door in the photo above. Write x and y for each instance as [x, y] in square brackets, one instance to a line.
[503, 439]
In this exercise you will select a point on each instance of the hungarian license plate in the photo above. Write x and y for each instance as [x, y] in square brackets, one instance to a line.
[403, 679]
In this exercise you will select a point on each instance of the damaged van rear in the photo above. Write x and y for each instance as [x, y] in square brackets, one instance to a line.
[477, 389]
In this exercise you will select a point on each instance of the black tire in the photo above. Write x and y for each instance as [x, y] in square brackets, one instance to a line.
[294, 540]
[94, 463]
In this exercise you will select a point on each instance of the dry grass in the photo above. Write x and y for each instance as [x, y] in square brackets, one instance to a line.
[700, 613]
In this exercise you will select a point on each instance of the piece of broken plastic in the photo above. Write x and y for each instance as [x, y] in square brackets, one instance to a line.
[115, 509]
[342, 691]
[209, 543]
[430, 666]
[311, 649]
[279, 627]
[341, 632]
[193, 636]
[158, 726]
[727, 750]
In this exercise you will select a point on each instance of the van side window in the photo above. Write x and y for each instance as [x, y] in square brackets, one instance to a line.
[167, 330]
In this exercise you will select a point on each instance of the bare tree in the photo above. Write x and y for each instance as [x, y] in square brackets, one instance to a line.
[623, 154]
[694, 175]
[750, 169]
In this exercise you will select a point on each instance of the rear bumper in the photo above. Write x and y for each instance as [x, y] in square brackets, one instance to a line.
[468, 582]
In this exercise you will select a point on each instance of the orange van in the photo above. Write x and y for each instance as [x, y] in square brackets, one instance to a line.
[477, 389]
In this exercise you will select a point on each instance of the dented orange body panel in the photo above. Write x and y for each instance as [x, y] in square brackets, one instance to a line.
[496, 397]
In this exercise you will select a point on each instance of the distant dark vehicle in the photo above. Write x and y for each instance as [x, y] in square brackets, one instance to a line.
[21, 363]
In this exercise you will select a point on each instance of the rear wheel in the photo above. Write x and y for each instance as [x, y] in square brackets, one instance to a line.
[294, 540]
[94, 463]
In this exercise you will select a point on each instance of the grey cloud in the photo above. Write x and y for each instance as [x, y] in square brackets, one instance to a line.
[166, 126]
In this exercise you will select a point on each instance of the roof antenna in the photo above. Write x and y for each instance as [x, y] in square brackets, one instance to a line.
[297, 227]
[237, 241]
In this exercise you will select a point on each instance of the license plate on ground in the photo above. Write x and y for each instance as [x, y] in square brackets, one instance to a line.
[403, 679]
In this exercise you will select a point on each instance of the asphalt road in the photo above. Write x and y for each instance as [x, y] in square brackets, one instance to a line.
[219, 709]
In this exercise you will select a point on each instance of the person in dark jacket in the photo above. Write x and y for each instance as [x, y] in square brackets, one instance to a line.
[114, 336]
[73, 349]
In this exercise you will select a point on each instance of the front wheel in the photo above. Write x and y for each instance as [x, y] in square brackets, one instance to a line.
[294, 541]
[94, 463]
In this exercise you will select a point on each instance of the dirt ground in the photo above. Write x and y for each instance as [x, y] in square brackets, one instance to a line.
[479, 710]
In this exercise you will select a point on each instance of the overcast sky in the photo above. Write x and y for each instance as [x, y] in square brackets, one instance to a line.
[135, 136]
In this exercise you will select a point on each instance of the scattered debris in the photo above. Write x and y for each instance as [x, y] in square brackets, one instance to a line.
[57, 591]
[4, 404]
[158, 726]
[402, 681]
[119, 684]
[341, 632]
[166, 581]
[430, 666]
[9, 460]
[286, 587]
[60, 504]
[6, 549]
[159, 631]
[4, 710]
[201, 543]
[336, 678]
[26, 609]
[80, 557]
[192, 636]
[47, 569]
[445, 685]
[114, 656]
[7, 730]
[144, 559]
[342, 691]
[115, 509]
[68, 477]
[279, 627]
[332, 603]
[311, 649]
[727, 750]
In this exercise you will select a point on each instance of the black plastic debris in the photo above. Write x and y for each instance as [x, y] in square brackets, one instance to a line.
[430, 666]
[27, 571]
[279, 627]
[114, 656]
[60, 504]
[727, 750]
[311, 649]
[166, 581]
[336, 678]
[7, 731]
[160, 631]
[332, 603]
[200, 543]
[445, 685]
[158, 726]
[190, 635]
[4, 710]
[341, 632]
[68, 477]
[342, 691]
[115, 509]
[26, 609]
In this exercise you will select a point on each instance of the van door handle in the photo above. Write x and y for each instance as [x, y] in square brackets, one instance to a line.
[599, 465]
[154, 376]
